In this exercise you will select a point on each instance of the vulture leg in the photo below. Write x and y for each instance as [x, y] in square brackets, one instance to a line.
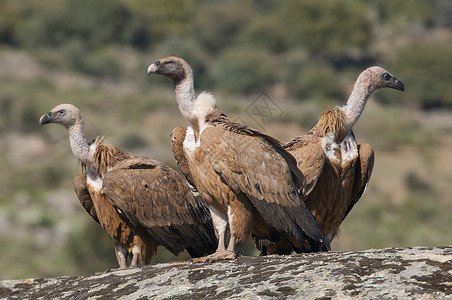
[221, 240]
[220, 222]
[136, 254]
[230, 252]
[121, 255]
[240, 213]
[224, 254]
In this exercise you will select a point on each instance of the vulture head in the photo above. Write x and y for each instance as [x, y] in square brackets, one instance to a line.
[172, 67]
[63, 114]
[377, 78]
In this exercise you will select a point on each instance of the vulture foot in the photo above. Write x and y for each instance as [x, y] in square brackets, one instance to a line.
[217, 256]
[179, 263]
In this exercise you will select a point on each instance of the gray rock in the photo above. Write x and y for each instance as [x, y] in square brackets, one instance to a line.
[393, 273]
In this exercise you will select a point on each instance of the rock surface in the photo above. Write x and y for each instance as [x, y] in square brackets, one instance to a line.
[392, 273]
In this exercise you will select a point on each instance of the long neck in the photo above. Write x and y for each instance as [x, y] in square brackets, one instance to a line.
[79, 145]
[185, 96]
[356, 102]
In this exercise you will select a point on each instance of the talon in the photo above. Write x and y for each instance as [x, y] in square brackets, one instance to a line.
[219, 255]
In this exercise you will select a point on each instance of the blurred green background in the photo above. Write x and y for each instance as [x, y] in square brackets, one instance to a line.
[305, 55]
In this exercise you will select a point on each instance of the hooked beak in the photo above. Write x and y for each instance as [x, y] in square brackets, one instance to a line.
[153, 68]
[399, 85]
[45, 119]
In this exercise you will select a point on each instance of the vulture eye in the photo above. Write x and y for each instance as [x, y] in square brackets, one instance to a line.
[61, 112]
[386, 76]
[170, 63]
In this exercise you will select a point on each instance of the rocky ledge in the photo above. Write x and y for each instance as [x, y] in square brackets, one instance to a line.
[396, 273]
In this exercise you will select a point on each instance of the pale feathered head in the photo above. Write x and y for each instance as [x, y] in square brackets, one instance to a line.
[63, 114]
[172, 67]
[377, 78]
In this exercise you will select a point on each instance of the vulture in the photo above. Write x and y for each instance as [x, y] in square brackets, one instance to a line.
[336, 168]
[251, 184]
[141, 203]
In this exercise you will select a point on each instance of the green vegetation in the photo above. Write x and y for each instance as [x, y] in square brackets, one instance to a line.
[428, 64]
[304, 54]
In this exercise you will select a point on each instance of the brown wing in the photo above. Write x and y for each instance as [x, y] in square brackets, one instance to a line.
[364, 167]
[154, 196]
[177, 138]
[81, 189]
[254, 166]
[310, 158]
[217, 118]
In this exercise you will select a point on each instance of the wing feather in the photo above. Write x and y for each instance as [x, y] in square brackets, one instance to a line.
[364, 169]
[255, 166]
[81, 189]
[177, 138]
[154, 196]
[220, 120]
[310, 158]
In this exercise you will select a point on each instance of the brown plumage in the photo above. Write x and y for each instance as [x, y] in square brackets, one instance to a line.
[177, 138]
[337, 169]
[83, 195]
[140, 202]
[249, 181]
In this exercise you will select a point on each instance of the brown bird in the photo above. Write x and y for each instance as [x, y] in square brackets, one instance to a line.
[141, 203]
[336, 168]
[249, 181]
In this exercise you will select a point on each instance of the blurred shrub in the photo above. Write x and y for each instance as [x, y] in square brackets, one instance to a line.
[6, 107]
[100, 63]
[52, 175]
[400, 12]
[426, 71]
[305, 113]
[391, 128]
[76, 56]
[420, 208]
[133, 141]
[28, 115]
[217, 24]
[311, 79]
[266, 32]
[165, 17]
[326, 27]
[443, 11]
[417, 184]
[90, 248]
[244, 70]
[11, 15]
[96, 22]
